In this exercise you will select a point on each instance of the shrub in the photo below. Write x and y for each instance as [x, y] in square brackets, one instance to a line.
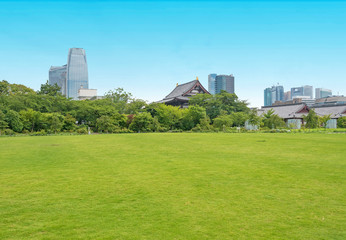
[222, 122]
[82, 130]
[342, 122]
[142, 122]
[9, 132]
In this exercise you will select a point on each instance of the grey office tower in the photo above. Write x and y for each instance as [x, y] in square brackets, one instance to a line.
[57, 75]
[77, 72]
[216, 83]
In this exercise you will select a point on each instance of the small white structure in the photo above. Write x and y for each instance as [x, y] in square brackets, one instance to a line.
[249, 126]
[84, 93]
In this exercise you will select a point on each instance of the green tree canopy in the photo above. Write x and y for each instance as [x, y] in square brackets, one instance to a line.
[311, 119]
[342, 122]
[13, 120]
[47, 89]
[272, 120]
[3, 123]
[142, 122]
[216, 104]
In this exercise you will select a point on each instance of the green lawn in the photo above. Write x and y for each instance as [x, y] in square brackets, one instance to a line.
[173, 186]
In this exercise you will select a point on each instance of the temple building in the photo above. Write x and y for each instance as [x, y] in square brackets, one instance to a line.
[181, 94]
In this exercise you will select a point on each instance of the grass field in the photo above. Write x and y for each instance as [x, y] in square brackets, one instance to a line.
[173, 186]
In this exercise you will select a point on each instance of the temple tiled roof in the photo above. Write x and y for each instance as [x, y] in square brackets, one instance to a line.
[286, 111]
[181, 89]
[334, 111]
[182, 92]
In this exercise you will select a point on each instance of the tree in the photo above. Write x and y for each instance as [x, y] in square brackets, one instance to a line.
[120, 98]
[168, 116]
[69, 123]
[311, 119]
[55, 122]
[192, 116]
[3, 123]
[13, 120]
[105, 124]
[142, 122]
[4, 88]
[323, 120]
[30, 119]
[272, 120]
[342, 122]
[222, 122]
[7, 89]
[239, 118]
[253, 118]
[155, 125]
[47, 89]
[216, 104]
[135, 106]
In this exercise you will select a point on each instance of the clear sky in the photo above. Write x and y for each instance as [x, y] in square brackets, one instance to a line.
[146, 47]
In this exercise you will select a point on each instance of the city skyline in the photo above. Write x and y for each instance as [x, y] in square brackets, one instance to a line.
[147, 47]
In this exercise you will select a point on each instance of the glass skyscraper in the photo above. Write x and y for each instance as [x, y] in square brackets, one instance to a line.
[216, 83]
[72, 76]
[57, 75]
[268, 97]
[273, 94]
[77, 72]
[211, 83]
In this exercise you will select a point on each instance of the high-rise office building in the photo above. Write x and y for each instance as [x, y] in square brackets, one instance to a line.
[296, 92]
[57, 75]
[268, 97]
[304, 91]
[216, 83]
[77, 72]
[211, 83]
[287, 96]
[308, 91]
[273, 94]
[224, 82]
[72, 76]
[322, 93]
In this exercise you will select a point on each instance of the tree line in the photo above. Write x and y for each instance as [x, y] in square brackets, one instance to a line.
[23, 110]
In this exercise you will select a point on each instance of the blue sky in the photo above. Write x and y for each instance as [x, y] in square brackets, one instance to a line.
[147, 47]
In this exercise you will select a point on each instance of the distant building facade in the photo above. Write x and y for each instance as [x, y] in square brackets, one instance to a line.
[306, 91]
[84, 94]
[331, 100]
[57, 75]
[273, 94]
[216, 83]
[287, 96]
[322, 93]
[73, 76]
[297, 91]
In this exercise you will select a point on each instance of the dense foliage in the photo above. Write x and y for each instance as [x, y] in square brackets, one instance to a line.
[22, 110]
